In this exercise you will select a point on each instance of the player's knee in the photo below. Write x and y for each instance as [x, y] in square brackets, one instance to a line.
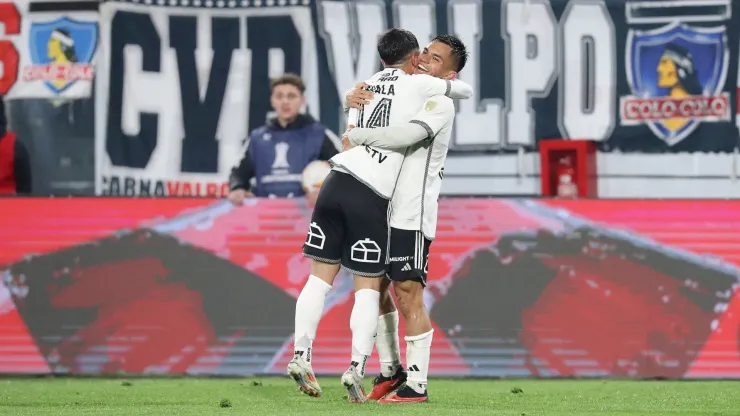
[324, 271]
[364, 282]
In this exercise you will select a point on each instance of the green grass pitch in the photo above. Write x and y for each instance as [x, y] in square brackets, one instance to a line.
[278, 396]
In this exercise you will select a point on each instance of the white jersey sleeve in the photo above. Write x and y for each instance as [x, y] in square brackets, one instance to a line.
[430, 86]
[437, 112]
[394, 137]
[433, 116]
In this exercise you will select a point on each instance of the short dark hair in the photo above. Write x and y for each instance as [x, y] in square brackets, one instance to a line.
[288, 79]
[459, 51]
[395, 45]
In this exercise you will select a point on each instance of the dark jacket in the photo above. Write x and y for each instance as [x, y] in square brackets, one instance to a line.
[317, 141]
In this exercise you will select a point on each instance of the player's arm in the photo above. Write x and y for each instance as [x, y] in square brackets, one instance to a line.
[436, 113]
[431, 86]
[428, 86]
[241, 175]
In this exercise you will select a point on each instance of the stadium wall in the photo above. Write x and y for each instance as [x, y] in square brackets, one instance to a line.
[517, 287]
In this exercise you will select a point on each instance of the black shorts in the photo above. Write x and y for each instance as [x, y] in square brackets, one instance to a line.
[409, 256]
[349, 225]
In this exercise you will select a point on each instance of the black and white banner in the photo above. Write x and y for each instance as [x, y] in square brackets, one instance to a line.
[181, 83]
[180, 87]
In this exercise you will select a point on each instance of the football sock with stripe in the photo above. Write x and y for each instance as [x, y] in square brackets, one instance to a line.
[364, 323]
[417, 360]
[308, 310]
[388, 344]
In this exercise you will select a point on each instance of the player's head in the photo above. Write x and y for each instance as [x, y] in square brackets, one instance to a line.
[287, 96]
[397, 47]
[444, 57]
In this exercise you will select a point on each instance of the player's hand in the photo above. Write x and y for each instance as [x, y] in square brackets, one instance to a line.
[346, 144]
[237, 196]
[358, 96]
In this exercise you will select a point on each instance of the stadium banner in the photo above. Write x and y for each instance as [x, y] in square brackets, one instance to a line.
[517, 287]
[179, 87]
[48, 50]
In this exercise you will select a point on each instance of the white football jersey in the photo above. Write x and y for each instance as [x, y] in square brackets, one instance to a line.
[414, 204]
[397, 98]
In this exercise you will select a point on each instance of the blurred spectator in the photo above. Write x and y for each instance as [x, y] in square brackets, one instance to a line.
[278, 152]
[15, 164]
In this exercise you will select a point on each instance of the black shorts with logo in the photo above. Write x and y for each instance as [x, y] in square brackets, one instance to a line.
[409, 256]
[349, 225]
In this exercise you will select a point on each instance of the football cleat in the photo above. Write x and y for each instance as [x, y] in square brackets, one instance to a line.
[304, 377]
[354, 385]
[383, 385]
[405, 394]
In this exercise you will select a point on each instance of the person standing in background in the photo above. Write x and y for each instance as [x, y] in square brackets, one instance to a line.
[15, 164]
[278, 152]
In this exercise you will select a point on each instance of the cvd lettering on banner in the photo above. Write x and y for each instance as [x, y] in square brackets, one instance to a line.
[180, 88]
[677, 59]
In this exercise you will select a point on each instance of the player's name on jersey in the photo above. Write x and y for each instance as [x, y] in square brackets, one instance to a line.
[130, 186]
[383, 89]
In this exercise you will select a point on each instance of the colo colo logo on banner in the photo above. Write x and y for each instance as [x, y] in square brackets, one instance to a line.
[61, 52]
[676, 71]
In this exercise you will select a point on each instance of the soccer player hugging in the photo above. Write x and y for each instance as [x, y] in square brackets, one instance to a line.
[376, 216]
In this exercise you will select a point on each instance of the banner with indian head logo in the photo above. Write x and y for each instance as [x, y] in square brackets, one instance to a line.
[677, 61]
[48, 49]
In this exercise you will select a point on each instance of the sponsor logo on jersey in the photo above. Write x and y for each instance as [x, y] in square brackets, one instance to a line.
[61, 52]
[676, 73]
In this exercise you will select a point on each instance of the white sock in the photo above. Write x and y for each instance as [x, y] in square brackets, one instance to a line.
[387, 344]
[308, 310]
[364, 324]
[417, 360]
